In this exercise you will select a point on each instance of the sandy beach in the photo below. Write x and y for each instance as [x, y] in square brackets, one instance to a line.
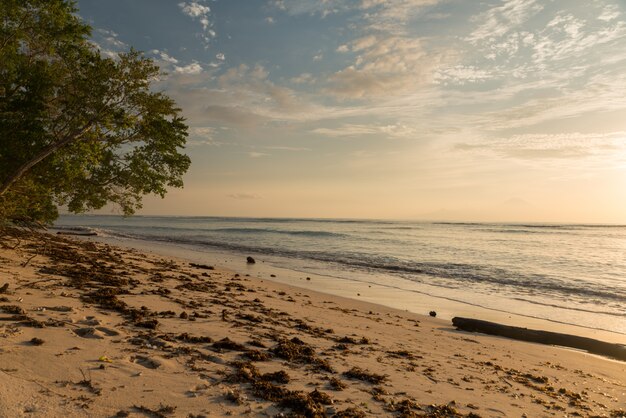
[89, 329]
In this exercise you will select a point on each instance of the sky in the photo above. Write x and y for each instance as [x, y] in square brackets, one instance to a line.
[493, 110]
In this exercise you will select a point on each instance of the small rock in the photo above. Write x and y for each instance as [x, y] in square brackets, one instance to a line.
[250, 260]
[36, 341]
[432, 313]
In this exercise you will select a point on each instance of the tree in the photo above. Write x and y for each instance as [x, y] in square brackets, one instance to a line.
[76, 128]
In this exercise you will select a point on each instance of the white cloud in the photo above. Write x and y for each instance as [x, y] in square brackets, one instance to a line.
[203, 135]
[343, 48]
[322, 8]
[304, 78]
[164, 56]
[356, 130]
[461, 74]
[500, 20]
[194, 9]
[384, 65]
[193, 68]
[574, 145]
[198, 11]
[286, 148]
[393, 16]
[256, 154]
[566, 36]
[108, 42]
[610, 12]
[244, 196]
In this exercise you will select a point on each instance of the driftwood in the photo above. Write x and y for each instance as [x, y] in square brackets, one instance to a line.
[80, 234]
[591, 345]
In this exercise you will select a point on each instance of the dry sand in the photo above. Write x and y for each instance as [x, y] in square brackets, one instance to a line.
[88, 329]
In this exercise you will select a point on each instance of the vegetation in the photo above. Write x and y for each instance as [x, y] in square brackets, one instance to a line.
[78, 129]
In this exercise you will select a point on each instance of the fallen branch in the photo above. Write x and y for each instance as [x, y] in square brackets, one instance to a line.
[602, 348]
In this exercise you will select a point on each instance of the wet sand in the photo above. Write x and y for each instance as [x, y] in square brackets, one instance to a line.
[89, 329]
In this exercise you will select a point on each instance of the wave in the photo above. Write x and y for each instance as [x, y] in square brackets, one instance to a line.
[460, 274]
[278, 231]
[534, 226]
[571, 308]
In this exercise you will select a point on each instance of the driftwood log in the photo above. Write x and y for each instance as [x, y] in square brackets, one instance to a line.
[616, 351]
[80, 234]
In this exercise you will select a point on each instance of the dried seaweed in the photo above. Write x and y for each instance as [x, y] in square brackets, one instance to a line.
[365, 375]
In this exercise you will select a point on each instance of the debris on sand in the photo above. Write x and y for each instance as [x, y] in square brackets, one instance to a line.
[365, 375]
[202, 266]
[36, 341]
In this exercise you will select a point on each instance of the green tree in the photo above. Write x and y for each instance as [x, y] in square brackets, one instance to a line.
[78, 129]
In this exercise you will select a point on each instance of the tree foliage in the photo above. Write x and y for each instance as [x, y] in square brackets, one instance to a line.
[78, 129]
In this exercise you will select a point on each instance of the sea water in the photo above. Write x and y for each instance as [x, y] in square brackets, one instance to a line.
[564, 273]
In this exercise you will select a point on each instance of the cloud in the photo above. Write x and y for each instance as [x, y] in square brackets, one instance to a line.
[109, 43]
[393, 16]
[164, 57]
[462, 74]
[256, 154]
[233, 115]
[356, 130]
[194, 9]
[285, 148]
[193, 68]
[384, 65]
[610, 12]
[304, 78]
[203, 135]
[500, 20]
[573, 145]
[322, 8]
[244, 196]
[566, 36]
[251, 87]
[198, 11]
[241, 97]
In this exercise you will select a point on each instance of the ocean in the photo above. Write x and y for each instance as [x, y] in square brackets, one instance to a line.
[559, 273]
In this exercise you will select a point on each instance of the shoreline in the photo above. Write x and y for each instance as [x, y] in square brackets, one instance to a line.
[130, 333]
[415, 300]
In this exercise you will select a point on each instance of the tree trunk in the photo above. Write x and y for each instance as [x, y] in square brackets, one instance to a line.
[616, 351]
[43, 154]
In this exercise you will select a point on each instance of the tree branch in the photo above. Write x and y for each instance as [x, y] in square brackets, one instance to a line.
[49, 150]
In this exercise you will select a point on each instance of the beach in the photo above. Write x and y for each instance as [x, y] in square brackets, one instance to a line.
[557, 277]
[90, 329]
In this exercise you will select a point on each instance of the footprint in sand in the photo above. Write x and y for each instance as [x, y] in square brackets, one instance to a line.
[97, 332]
[110, 332]
[90, 320]
[89, 332]
[147, 362]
